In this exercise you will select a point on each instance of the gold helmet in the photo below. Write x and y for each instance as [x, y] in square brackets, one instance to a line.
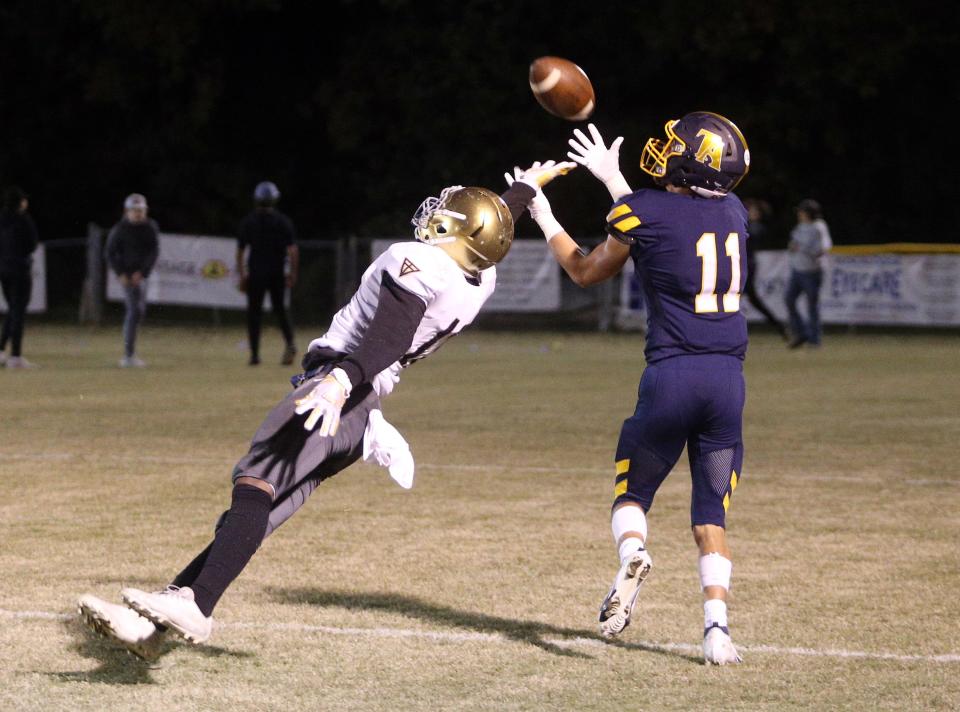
[472, 225]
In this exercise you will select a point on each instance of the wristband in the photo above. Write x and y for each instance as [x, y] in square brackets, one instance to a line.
[617, 186]
[341, 377]
[549, 224]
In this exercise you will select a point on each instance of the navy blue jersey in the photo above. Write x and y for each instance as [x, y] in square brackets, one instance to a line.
[691, 260]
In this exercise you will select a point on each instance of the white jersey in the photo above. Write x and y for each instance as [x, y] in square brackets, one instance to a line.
[427, 272]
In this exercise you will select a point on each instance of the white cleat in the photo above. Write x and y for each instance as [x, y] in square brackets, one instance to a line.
[173, 608]
[718, 648]
[618, 605]
[19, 362]
[127, 627]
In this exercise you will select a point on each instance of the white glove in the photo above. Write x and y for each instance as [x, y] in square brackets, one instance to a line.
[536, 176]
[602, 162]
[326, 401]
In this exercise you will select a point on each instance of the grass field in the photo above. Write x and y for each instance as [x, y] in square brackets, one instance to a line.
[478, 589]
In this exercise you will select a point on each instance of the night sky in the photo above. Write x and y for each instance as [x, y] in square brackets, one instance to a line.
[358, 110]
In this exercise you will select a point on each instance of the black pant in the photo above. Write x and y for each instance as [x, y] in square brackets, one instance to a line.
[257, 287]
[16, 290]
[750, 292]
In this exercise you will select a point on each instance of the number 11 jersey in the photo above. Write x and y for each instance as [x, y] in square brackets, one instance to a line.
[691, 260]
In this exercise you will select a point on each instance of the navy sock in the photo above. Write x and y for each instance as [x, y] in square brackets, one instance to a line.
[233, 546]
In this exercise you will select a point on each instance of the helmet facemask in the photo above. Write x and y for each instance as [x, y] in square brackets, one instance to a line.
[472, 225]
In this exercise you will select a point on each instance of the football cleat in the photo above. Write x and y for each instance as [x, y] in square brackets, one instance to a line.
[718, 648]
[127, 627]
[173, 608]
[618, 605]
[19, 362]
[289, 353]
[132, 362]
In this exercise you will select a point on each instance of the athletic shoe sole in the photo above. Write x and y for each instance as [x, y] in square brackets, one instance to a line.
[159, 618]
[626, 589]
[101, 624]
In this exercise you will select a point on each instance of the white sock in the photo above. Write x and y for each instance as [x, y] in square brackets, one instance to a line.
[714, 611]
[628, 519]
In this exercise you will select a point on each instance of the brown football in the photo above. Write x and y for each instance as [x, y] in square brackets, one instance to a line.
[562, 88]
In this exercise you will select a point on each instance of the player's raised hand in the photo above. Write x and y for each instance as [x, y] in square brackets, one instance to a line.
[604, 163]
[325, 401]
[539, 174]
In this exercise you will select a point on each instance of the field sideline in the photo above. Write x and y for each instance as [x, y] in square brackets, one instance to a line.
[478, 589]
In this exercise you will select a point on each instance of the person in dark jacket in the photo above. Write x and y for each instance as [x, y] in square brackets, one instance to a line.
[132, 249]
[18, 240]
[757, 210]
[266, 243]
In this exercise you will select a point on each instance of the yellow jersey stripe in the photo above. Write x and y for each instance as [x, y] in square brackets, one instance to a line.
[620, 489]
[617, 212]
[623, 466]
[733, 481]
[726, 502]
[627, 223]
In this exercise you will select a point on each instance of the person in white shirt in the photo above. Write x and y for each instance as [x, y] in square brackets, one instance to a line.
[809, 243]
[411, 299]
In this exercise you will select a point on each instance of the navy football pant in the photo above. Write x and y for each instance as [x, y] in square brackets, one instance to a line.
[695, 401]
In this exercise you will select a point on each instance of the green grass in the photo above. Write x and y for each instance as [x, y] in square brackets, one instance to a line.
[478, 589]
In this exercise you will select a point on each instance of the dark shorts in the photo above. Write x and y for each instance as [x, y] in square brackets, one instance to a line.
[293, 460]
[695, 401]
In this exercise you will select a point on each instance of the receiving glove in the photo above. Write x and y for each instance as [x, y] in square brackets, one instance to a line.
[602, 162]
[326, 401]
[536, 176]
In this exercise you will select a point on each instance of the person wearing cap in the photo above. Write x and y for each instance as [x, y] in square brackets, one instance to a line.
[809, 242]
[18, 240]
[266, 244]
[132, 249]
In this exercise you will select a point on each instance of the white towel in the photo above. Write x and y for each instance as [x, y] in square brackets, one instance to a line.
[387, 446]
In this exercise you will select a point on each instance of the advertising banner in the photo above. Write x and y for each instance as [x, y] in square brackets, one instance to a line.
[38, 294]
[191, 270]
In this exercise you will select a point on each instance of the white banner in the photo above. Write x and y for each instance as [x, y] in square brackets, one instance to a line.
[191, 270]
[528, 279]
[880, 289]
[38, 295]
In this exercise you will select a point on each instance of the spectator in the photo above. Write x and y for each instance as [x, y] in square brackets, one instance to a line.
[757, 211]
[132, 249]
[18, 240]
[809, 242]
[271, 239]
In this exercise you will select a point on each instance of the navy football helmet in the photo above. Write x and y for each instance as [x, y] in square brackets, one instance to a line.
[266, 193]
[703, 151]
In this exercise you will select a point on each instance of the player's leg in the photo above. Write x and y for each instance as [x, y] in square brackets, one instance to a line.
[814, 279]
[284, 465]
[797, 329]
[716, 466]
[650, 444]
[256, 290]
[278, 290]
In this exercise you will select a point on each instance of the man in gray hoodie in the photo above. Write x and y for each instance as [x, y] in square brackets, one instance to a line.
[809, 242]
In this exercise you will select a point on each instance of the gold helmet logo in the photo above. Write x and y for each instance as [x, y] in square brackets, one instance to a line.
[710, 152]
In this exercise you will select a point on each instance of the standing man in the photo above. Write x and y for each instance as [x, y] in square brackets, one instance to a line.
[271, 240]
[809, 242]
[132, 249]
[688, 246]
[757, 210]
[411, 299]
[18, 240]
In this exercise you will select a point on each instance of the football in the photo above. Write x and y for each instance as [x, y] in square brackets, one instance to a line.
[562, 88]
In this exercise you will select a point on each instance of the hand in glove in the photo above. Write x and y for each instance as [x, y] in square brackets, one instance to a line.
[326, 401]
[602, 162]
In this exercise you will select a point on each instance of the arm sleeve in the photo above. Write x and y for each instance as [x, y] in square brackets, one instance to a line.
[112, 250]
[151, 258]
[516, 197]
[390, 333]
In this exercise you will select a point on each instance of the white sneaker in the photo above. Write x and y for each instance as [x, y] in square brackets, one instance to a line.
[618, 605]
[718, 648]
[124, 625]
[173, 608]
[19, 362]
[132, 362]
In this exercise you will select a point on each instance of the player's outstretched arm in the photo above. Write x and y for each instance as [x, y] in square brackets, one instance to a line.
[602, 162]
[584, 269]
